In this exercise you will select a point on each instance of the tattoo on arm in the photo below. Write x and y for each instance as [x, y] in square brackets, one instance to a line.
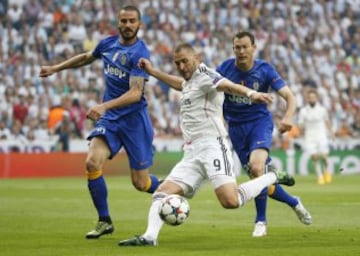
[137, 82]
[230, 90]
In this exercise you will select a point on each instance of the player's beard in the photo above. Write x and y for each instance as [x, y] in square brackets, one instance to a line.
[125, 35]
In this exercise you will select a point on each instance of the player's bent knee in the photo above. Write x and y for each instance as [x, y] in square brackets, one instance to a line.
[140, 185]
[256, 170]
[230, 203]
[92, 165]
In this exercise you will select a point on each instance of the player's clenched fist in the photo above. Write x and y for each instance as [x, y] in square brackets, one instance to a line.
[145, 64]
[96, 112]
[46, 71]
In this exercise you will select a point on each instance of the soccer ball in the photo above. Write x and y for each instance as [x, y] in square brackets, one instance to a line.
[174, 210]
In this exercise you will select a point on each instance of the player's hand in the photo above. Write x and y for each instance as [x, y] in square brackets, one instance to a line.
[46, 71]
[96, 112]
[285, 126]
[259, 97]
[145, 64]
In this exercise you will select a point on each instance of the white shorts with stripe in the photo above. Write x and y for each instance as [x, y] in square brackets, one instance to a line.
[206, 158]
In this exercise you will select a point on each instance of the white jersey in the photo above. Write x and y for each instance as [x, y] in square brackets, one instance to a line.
[313, 120]
[201, 112]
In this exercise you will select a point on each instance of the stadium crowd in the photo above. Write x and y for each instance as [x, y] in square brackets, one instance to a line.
[312, 43]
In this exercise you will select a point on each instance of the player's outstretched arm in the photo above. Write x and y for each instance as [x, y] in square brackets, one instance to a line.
[287, 121]
[238, 89]
[174, 82]
[133, 95]
[74, 62]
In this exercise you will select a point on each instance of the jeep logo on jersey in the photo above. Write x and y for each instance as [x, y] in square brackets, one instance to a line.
[239, 99]
[114, 71]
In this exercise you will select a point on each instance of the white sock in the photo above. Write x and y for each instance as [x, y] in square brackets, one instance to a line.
[250, 189]
[318, 169]
[155, 223]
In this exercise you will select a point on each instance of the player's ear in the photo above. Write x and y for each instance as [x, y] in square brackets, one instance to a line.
[199, 56]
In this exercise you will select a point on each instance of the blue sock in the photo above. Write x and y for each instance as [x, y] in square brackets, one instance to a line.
[281, 195]
[154, 184]
[98, 192]
[260, 204]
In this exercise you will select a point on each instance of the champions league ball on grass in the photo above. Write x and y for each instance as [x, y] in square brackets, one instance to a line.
[174, 210]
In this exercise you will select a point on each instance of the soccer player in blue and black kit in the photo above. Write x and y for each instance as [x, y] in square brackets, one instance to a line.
[251, 125]
[122, 119]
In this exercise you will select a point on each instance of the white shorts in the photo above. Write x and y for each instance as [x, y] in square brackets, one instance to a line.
[205, 158]
[317, 146]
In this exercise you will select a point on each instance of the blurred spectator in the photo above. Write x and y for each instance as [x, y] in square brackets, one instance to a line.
[4, 131]
[77, 114]
[288, 138]
[20, 107]
[32, 10]
[57, 114]
[64, 131]
[41, 132]
[14, 14]
[344, 131]
[312, 44]
[356, 125]
[17, 137]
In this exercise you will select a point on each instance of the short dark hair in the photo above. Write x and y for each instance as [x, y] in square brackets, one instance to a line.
[245, 34]
[132, 8]
[185, 46]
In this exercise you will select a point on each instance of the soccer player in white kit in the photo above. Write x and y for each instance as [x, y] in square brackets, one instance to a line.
[207, 154]
[314, 123]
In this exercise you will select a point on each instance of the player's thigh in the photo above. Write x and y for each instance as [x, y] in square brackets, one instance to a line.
[217, 162]
[107, 131]
[98, 153]
[260, 134]
[216, 157]
[257, 160]
[238, 134]
[260, 140]
[187, 174]
[170, 187]
[311, 147]
[324, 147]
[137, 137]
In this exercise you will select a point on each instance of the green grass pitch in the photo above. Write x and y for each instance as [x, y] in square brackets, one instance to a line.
[51, 216]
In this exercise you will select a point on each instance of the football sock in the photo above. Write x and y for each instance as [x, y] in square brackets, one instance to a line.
[152, 184]
[98, 191]
[250, 189]
[318, 169]
[154, 221]
[260, 204]
[278, 193]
